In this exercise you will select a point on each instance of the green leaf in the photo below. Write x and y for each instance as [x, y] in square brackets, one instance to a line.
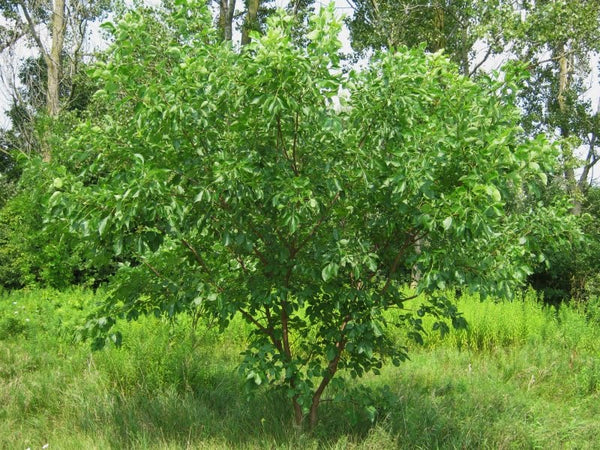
[102, 225]
[447, 223]
[329, 271]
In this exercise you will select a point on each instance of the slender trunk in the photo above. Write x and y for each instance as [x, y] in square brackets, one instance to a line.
[331, 370]
[226, 12]
[53, 60]
[439, 41]
[567, 151]
[298, 416]
[464, 50]
[415, 273]
[251, 20]
[590, 161]
[287, 353]
[329, 374]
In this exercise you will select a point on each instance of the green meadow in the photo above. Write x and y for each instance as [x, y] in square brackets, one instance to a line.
[520, 376]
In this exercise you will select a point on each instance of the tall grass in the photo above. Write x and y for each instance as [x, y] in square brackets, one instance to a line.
[524, 320]
[521, 376]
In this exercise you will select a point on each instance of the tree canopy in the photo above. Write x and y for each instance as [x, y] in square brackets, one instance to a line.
[272, 184]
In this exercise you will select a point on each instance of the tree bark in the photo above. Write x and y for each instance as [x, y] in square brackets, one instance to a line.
[53, 58]
[251, 20]
[226, 12]
[567, 151]
[329, 374]
[298, 416]
[464, 52]
[439, 42]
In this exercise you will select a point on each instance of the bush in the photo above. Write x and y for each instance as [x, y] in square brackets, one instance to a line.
[36, 253]
[572, 269]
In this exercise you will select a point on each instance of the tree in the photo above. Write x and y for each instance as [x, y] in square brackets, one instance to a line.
[558, 40]
[66, 23]
[453, 26]
[241, 183]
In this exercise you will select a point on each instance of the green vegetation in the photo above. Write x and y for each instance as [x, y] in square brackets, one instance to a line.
[521, 376]
[250, 216]
[301, 209]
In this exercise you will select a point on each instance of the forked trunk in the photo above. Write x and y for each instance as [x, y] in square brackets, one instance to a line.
[226, 12]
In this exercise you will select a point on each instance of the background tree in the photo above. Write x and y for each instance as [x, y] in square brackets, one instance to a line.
[66, 22]
[559, 41]
[225, 18]
[454, 26]
[31, 253]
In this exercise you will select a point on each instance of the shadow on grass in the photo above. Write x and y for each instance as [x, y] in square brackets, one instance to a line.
[210, 409]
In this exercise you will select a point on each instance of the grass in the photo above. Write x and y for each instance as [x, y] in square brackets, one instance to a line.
[521, 376]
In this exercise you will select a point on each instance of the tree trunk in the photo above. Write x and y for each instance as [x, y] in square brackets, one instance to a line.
[329, 374]
[53, 59]
[251, 20]
[464, 52]
[567, 151]
[298, 416]
[439, 42]
[226, 12]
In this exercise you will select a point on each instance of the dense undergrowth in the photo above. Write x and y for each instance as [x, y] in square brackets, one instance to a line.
[520, 376]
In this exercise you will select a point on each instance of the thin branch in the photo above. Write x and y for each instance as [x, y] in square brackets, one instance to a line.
[482, 62]
[284, 329]
[362, 141]
[34, 33]
[283, 147]
[295, 144]
[251, 319]
[266, 330]
[154, 271]
[197, 256]
[13, 38]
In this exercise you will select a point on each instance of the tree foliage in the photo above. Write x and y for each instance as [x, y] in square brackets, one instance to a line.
[453, 26]
[272, 184]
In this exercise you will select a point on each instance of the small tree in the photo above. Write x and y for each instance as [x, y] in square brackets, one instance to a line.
[271, 184]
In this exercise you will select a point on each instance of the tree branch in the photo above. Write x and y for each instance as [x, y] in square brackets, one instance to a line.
[34, 33]
[197, 256]
[13, 38]
[481, 63]
[329, 374]
[295, 144]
